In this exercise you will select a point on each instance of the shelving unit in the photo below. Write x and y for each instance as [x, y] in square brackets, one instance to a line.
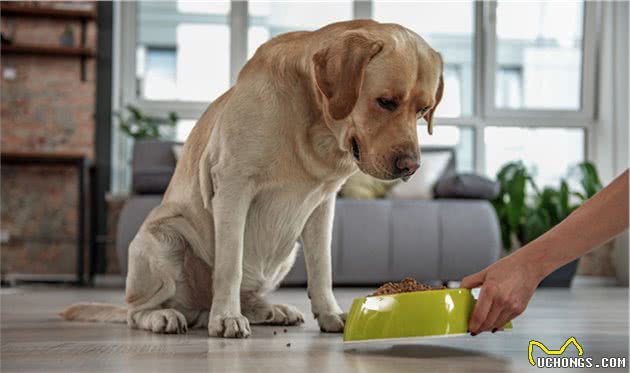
[46, 12]
[76, 160]
[80, 51]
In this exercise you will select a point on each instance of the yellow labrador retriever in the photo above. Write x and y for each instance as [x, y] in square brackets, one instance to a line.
[261, 170]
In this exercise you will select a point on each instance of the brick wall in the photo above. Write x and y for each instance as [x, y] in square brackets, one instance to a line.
[44, 107]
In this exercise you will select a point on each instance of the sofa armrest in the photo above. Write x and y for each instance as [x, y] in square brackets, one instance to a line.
[470, 235]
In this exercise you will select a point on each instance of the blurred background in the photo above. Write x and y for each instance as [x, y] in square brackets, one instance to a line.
[96, 97]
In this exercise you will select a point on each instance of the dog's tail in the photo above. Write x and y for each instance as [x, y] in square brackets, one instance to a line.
[98, 312]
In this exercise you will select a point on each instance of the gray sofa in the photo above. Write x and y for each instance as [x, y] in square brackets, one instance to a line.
[374, 241]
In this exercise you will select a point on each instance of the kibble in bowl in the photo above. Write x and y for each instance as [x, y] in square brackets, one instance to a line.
[408, 285]
[408, 309]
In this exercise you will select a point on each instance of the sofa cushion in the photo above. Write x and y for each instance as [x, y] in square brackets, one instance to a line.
[152, 180]
[470, 238]
[467, 186]
[178, 149]
[363, 186]
[359, 253]
[421, 184]
[153, 166]
[415, 240]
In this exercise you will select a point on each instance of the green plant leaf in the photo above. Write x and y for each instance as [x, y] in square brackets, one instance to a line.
[139, 126]
[510, 203]
[135, 112]
[173, 118]
[563, 197]
[516, 194]
[579, 195]
[529, 218]
[588, 178]
[537, 223]
[532, 183]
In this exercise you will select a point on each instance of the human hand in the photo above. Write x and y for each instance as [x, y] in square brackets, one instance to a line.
[506, 288]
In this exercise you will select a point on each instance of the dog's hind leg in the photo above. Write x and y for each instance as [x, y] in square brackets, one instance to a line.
[167, 320]
[154, 266]
[259, 311]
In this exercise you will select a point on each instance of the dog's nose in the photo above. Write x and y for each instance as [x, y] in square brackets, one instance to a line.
[406, 165]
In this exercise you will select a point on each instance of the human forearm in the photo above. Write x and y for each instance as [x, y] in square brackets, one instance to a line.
[508, 285]
[603, 216]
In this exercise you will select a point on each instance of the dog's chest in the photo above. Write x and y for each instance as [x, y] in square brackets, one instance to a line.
[276, 217]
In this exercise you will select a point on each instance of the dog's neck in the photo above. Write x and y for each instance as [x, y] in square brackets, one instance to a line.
[321, 137]
[325, 148]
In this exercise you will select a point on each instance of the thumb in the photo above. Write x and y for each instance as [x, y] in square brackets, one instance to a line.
[473, 280]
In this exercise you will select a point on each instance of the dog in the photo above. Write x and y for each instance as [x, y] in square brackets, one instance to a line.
[260, 171]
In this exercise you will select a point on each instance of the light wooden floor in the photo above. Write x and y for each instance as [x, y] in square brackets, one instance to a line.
[34, 339]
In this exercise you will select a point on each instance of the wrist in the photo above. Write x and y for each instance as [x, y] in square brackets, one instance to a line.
[531, 264]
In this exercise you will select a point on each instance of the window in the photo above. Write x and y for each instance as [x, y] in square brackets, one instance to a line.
[270, 18]
[509, 90]
[157, 66]
[183, 128]
[538, 55]
[179, 45]
[547, 152]
[519, 85]
[461, 138]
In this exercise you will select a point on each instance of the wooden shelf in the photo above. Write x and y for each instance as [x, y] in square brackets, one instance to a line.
[51, 12]
[46, 11]
[48, 50]
[42, 155]
[50, 158]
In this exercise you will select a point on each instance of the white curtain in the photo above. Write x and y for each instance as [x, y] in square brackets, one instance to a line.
[610, 136]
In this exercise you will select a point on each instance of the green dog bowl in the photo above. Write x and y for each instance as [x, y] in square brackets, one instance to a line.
[430, 313]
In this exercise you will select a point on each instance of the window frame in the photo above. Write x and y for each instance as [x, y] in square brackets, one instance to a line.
[483, 80]
[582, 117]
[237, 21]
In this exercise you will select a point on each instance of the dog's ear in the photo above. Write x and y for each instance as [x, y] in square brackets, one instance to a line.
[339, 70]
[438, 97]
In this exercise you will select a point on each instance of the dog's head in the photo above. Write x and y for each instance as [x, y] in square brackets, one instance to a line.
[376, 84]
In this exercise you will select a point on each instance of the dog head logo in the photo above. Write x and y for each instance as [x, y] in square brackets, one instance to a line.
[547, 351]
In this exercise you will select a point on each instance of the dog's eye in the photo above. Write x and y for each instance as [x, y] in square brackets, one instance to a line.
[387, 104]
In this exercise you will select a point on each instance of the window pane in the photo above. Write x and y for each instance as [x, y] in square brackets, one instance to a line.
[183, 128]
[547, 152]
[448, 27]
[183, 50]
[270, 18]
[539, 55]
[460, 138]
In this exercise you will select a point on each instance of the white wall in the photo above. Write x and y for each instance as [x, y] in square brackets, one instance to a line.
[610, 138]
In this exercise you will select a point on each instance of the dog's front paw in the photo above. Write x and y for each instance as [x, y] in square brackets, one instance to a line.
[331, 322]
[229, 326]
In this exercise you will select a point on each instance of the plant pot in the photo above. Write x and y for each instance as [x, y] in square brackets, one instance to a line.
[620, 259]
[561, 277]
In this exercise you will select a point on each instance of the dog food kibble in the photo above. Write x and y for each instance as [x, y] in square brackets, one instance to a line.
[285, 330]
[288, 344]
[275, 332]
[407, 285]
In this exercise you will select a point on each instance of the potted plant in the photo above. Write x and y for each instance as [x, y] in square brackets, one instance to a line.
[525, 212]
[139, 126]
